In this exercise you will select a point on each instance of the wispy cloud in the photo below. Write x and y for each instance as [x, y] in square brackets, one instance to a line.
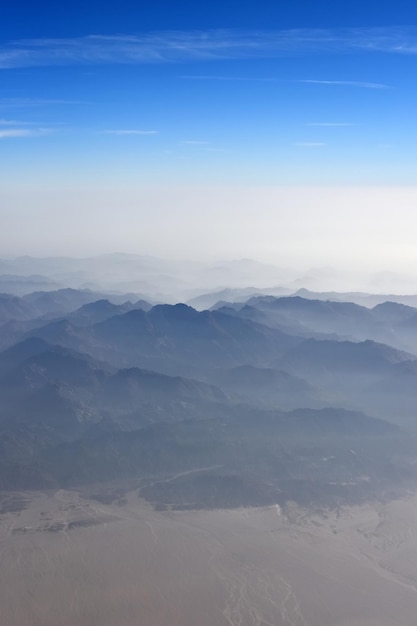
[24, 123]
[129, 132]
[13, 123]
[258, 79]
[343, 83]
[330, 124]
[205, 45]
[309, 144]
[10, 133]
[14, 132]
[346, 83]
[23, 103]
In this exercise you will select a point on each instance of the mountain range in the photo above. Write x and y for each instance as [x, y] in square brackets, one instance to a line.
[279, 397]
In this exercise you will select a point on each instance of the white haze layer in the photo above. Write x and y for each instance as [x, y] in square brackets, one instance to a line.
[354, 231]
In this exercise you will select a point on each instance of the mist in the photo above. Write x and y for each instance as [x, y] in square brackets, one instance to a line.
[353, 231]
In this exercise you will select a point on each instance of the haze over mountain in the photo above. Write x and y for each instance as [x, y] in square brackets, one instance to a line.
[65, 420]
[126, 391]
[199, 283]
[208, 313]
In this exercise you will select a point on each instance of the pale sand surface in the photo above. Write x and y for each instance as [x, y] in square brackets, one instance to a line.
[112, 565]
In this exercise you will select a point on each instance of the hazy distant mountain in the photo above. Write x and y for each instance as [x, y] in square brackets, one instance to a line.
[364, 299]
[389, 323]
[97, 311]
[343, 318]
[107, 391]
[157, 279]
[284, 321]
[14, 331]
[212, 299]
[267, 387]
[167, 280]
[393, 313]
[13, 308]
[19, 316]
[319, 359]
[65, 300]
[344, 371]
[394, 395]
[60, 332]
[172, 339]
[21, 285]
[52, 303]
[243, 311]
[101, 310]
[148, 396]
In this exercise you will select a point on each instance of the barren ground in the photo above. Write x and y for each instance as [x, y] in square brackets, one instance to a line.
[67, 559]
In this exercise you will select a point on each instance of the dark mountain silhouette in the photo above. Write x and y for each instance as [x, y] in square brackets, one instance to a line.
[178, 338]
[172, 339]
[18, 353]
[21, 285]
[60, 301]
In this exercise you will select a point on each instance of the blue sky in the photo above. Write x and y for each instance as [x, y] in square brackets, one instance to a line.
[155, 93]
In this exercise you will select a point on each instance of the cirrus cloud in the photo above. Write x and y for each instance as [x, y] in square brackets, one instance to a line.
[129, 131]
[171, 46]
[10, 133]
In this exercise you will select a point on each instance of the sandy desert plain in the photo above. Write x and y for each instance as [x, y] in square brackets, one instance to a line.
[67, 559]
